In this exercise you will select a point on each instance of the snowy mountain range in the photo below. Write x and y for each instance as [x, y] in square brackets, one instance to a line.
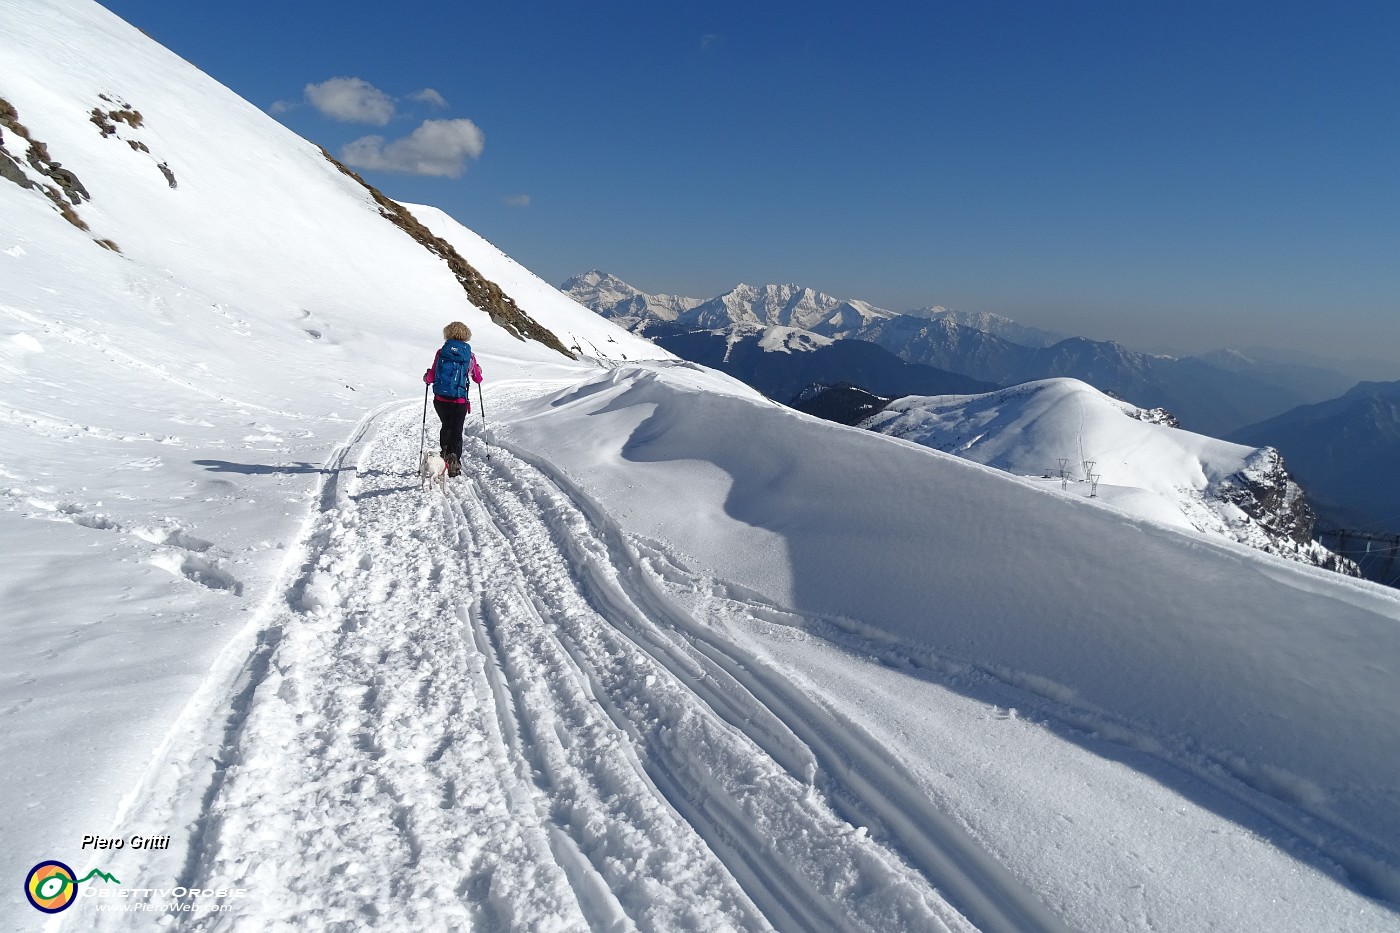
[1206, 397]
[758, 307]
[783, 362]
[667, 655]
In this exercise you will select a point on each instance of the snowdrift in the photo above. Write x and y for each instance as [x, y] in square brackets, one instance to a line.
[1222, 659]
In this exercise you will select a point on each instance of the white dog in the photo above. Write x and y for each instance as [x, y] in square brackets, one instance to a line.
[432, 470]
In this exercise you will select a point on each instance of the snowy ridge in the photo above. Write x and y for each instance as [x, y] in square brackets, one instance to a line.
[552, 308]
[785, 306]
[792, 340]
[743, 309]
[1144, 466]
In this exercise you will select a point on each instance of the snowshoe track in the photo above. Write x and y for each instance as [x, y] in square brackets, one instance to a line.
[484, 712]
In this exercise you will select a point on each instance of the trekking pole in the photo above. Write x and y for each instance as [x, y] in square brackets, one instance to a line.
[423, 439]
[482, 400]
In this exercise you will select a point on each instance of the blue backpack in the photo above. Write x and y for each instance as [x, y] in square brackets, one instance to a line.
[453, 362]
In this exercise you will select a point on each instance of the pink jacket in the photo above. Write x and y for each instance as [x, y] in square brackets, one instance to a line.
[474, 370]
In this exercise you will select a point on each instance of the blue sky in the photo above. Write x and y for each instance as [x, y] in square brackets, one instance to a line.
[1166, 174]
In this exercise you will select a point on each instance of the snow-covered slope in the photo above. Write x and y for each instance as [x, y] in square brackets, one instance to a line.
[165, 410]
[667, 656]
[1064, 430]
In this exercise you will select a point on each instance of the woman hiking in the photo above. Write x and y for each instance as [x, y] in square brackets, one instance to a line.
[452, 365]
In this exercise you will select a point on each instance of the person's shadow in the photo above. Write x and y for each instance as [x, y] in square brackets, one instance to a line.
[261, 469]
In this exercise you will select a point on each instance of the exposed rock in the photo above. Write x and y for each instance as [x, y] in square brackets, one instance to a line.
[104, 126]
[1154, 416]
[11, 170]
[37, 155]
[9, 118]
[1265, 491]
[485, 294]
[1276, 509]
[64, 208]
[68, 182]
[106, 121]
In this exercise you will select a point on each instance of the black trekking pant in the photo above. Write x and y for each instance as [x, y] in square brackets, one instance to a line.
[452, 415]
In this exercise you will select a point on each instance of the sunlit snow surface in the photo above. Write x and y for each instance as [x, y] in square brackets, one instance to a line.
[1071, 436]
[666, 657]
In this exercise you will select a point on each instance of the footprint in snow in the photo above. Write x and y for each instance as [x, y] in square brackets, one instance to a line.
[200, 570]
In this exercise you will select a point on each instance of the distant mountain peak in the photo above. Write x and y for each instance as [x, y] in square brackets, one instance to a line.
[991, 323]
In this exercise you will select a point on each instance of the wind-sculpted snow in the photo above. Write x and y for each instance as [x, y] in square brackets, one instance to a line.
[480, 710]
[1270, 680]
[500, 709]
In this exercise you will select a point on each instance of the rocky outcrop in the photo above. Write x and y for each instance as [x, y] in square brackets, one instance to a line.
[106, 120]
[1154, 416]
[66, 191]
[121, 112]
[485, 294]
[1264, 508]
[60, 185]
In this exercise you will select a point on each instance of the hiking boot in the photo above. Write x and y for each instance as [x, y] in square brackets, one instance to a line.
[454, 465]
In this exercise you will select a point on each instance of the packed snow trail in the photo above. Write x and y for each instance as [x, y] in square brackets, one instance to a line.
[480, 711]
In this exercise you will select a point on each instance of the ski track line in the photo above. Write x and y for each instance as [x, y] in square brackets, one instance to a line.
[1005, 907]
[369, 785]
[372, 782]
[592, 784]
[484, 711]
[860, 778]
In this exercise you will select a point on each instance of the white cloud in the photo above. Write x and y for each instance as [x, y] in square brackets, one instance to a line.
[351, 100]
[518, 200]
[429, 96]
[282, 106]
[437, 147]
